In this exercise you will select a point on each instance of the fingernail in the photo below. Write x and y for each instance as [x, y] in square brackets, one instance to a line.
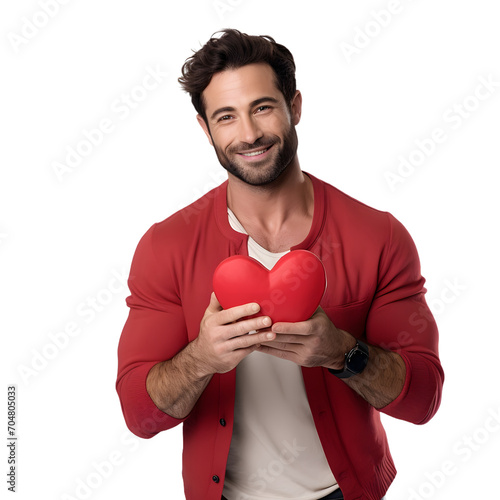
[266, 321]
[255, 307]
[270, 335]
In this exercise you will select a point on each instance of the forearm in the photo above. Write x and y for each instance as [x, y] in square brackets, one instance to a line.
[382, 380]
[175, 385]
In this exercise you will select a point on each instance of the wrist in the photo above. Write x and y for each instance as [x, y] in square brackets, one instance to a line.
[194, 359]
[346, 342]
[355, 361]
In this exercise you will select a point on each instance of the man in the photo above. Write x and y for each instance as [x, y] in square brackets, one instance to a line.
[291, 410]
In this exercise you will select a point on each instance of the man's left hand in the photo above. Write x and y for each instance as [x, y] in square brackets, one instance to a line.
[315, 342]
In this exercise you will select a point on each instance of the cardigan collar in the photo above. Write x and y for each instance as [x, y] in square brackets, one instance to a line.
[319, 214]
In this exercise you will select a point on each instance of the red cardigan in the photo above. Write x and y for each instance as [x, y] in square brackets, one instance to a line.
[375, 292]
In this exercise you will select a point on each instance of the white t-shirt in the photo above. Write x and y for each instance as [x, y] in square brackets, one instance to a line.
[275, 449]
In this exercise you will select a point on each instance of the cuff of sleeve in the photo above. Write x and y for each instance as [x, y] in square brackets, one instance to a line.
[421, 394]
[142, 416]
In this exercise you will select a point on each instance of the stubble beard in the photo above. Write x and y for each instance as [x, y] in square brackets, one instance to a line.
[267, 170]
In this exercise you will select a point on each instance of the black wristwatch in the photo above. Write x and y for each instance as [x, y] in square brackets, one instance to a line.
[355, 361]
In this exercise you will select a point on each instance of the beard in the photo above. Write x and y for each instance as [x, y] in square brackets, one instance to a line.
[260, 173]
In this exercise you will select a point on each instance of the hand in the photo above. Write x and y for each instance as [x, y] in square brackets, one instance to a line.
[223, 340]
[315, 342]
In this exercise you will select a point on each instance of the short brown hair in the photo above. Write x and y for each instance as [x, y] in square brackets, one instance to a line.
[233, 50]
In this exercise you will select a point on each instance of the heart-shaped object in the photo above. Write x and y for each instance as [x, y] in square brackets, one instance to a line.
[290, 292]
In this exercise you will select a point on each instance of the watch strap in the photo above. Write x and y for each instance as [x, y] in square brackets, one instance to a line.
[348, 370]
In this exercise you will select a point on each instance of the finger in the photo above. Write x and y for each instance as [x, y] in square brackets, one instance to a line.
[248, 341]
[227, 316]
[243, 327]
[300, 328]
[214, 305]
[289, 338]
[279, 346]
[278, 353]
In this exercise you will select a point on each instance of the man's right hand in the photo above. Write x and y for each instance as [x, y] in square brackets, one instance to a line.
[176, 384]
[223, 340]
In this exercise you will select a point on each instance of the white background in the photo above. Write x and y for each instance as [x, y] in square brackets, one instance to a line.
[63, 238]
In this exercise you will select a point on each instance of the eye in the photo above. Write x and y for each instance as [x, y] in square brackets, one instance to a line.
[224, 118]
[263, 108]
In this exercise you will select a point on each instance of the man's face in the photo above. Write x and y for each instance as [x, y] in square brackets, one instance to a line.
[249, 123]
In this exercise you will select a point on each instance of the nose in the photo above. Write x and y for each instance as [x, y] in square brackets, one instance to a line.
[250, 130]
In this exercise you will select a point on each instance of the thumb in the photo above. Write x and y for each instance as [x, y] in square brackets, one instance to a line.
[214, 305]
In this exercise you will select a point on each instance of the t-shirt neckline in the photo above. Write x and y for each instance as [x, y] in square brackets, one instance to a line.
[221, 215]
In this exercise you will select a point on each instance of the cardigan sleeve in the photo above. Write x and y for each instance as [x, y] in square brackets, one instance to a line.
[400, 320]
[155, 330]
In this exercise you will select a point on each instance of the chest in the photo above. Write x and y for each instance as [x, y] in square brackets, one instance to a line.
[282, 239]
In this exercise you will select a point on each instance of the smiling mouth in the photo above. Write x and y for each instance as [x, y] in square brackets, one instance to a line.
[256, 153]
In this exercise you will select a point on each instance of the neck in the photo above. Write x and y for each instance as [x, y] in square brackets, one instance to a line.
[271, 208]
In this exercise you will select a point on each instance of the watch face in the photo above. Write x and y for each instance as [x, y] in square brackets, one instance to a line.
[357, 361]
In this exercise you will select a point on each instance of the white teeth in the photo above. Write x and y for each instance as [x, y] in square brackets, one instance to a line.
[255, 153]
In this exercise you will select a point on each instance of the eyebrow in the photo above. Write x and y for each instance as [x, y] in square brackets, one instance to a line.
[230, 109]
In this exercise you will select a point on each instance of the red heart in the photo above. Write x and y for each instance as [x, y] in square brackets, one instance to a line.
[290, 292]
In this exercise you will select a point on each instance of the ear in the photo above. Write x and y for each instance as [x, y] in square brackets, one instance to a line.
[204, 126]
[296, 107]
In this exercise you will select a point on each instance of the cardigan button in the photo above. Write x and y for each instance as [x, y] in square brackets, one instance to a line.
[215, 479]
[222, 422]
